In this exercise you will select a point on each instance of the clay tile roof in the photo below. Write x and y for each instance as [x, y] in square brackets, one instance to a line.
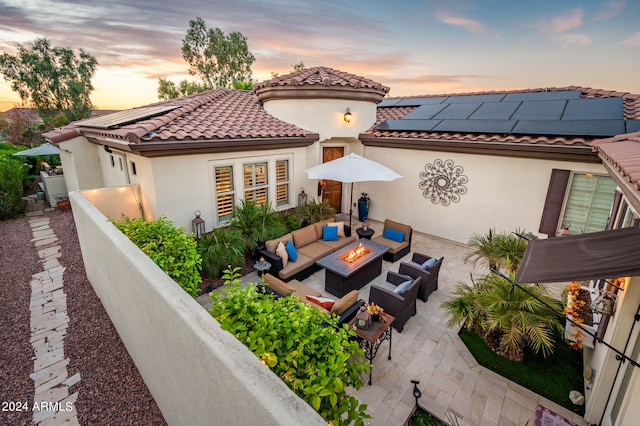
[320, 82]
[631, 107]
[622, 153]
[219, 114]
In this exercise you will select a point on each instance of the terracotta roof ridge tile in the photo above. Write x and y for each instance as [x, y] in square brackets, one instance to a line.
[322, 76]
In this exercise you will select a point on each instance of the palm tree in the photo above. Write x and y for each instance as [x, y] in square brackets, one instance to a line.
[464, 307]
[523, 316]
[483, 246]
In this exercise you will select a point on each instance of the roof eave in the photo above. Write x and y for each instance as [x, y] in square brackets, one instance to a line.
[576, 153]
[270, 93]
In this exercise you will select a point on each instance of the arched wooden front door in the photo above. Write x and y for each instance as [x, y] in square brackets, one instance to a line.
[332, 190]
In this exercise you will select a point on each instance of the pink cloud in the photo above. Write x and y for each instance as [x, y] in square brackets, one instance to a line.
[578, 39]
[468, 24]
[633, 41]
[560, 24]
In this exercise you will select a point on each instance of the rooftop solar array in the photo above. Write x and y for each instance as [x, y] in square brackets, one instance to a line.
[540, 113]
[121, 118]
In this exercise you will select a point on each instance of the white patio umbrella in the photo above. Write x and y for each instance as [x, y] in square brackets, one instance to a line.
[352, 168]
[44, 149]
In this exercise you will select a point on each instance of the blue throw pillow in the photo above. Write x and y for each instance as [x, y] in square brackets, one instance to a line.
[392, 234]
[329, 233]
[402, 288]
[429, 263]
[291, 251]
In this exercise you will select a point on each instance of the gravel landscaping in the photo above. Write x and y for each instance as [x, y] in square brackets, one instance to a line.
[111, 390]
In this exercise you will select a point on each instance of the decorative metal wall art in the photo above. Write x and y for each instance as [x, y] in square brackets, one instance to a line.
[443, 182]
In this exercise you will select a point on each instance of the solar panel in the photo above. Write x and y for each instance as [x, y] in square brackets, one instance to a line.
[495, 111]
[475, 126]
[594, 109]
[424, 112]
[496, 97]
[408, 125]
[540, 110]
[121, 118]
[457, 111]
[570, 127]
[388, 103]
[633, 126]
[421, 101]
[542, 96]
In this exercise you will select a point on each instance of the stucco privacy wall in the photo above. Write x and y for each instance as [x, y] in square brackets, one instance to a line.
[504, 193]
[80, 161]
[197, 373]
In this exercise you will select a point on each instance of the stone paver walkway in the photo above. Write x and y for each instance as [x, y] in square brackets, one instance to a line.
[53, 404]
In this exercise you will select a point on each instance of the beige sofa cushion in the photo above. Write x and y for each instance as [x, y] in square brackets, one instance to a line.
[388, 223]
[271, 245]
[316, 250]
[278, 285]
[345, 302]
[304, 236]
[394, 246]
[319, 226]
[340, 226]
[342, 241]
[292, 268]
[303, 290]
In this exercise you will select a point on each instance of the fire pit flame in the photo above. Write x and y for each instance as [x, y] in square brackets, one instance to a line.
[355, 254]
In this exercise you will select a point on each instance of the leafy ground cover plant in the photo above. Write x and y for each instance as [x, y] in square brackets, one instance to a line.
[169, 247]
[220, 249]
[305, 347]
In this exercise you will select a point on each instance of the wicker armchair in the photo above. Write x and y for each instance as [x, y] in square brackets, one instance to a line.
[429, 282]
[401, 307]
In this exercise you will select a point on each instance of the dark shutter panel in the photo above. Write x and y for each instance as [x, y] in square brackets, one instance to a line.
[613, 215]
[553, 203]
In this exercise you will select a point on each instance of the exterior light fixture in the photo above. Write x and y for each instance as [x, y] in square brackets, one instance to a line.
[605, 304]
[197, 225]
[416, 392]
[302, 197]
[348, 116]
[363, 318]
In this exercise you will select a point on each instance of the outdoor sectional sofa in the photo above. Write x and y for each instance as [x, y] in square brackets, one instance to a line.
[345, 308]
[310, 245]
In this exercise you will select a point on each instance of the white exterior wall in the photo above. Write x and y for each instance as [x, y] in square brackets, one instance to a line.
[504, 193]
[80, 163]
[603, 361]
[325, 116]
[197, 373]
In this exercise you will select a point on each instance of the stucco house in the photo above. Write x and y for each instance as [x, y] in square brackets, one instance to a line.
[535, 159]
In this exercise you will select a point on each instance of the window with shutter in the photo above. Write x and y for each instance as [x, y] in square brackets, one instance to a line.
[282, 182]
[256, 183]
[225, 194]
[553, 202]
[589, 202]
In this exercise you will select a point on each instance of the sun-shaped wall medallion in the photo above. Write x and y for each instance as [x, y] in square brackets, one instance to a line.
[443, 182]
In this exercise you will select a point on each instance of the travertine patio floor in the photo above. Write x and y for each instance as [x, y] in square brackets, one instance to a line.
[451, 381]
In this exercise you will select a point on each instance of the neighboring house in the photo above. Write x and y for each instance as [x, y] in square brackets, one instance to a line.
[536, 160]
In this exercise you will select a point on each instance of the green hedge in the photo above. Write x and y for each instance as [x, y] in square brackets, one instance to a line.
[169, 247]
[11, 177]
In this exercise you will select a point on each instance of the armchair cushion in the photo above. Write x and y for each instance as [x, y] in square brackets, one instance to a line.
[291, 251]
[345, 302]
[393, 235]
[402, 288]
[278, 285]
[429, 263]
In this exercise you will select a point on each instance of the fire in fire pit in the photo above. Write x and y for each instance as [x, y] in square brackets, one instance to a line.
[355, 254]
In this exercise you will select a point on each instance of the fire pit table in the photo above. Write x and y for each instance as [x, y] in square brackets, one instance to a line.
[346, 271]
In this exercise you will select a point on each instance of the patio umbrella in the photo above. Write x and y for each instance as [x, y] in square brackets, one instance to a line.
[44, 149]
[352, 168]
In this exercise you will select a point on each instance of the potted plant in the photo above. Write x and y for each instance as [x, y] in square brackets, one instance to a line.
[64, 204]
[363, 206]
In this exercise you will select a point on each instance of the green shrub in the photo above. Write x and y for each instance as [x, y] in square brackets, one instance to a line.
[11, 177]
[221, 249]
[313, 212]
[257, 224]
[305, 347]
[169, 247]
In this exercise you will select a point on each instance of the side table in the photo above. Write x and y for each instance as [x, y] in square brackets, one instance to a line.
[261, 266]
[372, 338]
[365, 233]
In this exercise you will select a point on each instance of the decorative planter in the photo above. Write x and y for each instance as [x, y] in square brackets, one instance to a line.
[583, 334]
[64, 205]
[363, 211]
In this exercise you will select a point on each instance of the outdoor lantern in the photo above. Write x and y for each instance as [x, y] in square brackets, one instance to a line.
[348, 116]
[564, 231]
[604, 304]
[302, 197]
[363, 318]
[197, 225]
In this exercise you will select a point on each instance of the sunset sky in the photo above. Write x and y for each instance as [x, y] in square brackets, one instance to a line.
[414, 47]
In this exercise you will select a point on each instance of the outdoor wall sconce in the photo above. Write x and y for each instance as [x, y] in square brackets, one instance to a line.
[564, 231]
[197, 225]
[302, 197]
[605, 304]
[348, 116]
